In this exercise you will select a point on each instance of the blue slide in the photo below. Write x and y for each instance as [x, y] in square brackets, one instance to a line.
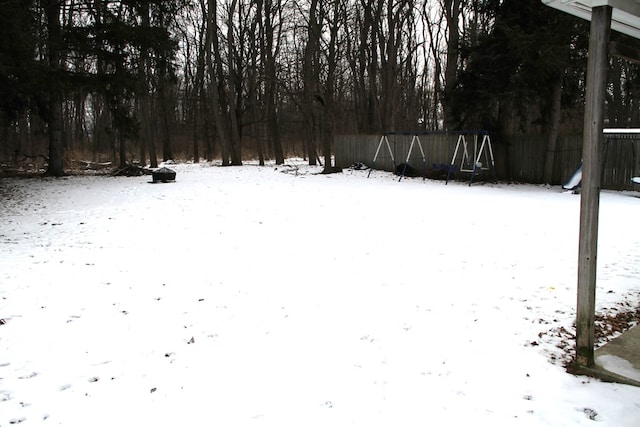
[575, 180]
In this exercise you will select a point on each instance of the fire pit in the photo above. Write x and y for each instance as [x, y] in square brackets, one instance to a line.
[163, 175]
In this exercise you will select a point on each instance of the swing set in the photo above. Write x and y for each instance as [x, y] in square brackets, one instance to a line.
[473, 153]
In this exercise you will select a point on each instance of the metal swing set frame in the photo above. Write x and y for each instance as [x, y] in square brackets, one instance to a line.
[473, 164]
[472, 153]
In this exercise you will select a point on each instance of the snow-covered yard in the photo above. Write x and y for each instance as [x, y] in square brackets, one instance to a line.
[243, 296]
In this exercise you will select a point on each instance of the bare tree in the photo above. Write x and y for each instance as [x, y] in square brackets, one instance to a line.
[147, 131]
[214, 71]
[52, 9]
[334, 22]
[232, 90]
[432, 30]
[311, 78]
[271, 27]
[452, 10]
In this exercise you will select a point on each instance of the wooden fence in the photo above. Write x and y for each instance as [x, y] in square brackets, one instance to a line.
[518, 158]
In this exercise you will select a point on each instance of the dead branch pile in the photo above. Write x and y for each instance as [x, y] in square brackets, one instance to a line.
[130, 169]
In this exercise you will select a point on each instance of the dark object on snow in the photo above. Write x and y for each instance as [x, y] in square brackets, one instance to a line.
[331, 169]
[359, 166]
[163, 175]
[404, 169]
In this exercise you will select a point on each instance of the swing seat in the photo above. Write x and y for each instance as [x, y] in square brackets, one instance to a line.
[443, 167]
[442, 170]
[404, 169]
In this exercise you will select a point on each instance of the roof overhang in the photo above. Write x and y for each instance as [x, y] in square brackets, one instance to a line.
[625, 15]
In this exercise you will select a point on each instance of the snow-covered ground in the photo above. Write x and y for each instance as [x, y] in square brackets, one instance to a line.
[241, 296]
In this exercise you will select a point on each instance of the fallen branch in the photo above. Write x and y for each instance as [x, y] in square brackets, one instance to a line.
[130, 169]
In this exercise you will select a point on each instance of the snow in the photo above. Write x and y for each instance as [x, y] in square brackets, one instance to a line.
[276, 296]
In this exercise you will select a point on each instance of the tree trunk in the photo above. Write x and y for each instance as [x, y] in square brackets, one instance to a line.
[554, 130]
[374, 117]
[165, 112]
[270, 86]
[142, 139]
[122, 145]
[253, 105]
[151, 132]
[329, 98]
[452, 14]
[389, 68]
[54, 116]
[212, 50]
[147, 134]
[434, 48]
[365, 117]
[311, 78]
[196, 105]
[231, 93]
[194, 129]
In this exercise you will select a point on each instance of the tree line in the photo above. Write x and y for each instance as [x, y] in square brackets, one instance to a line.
[143, 80]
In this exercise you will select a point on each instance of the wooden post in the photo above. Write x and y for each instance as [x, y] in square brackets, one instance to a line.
[591, 179]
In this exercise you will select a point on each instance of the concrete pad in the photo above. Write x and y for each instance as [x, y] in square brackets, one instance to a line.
[620, 357]
[617, 361]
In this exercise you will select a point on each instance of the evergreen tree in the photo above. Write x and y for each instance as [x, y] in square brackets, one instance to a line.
[118, 40]
[516, 63]
[18, 68]
[51, 51]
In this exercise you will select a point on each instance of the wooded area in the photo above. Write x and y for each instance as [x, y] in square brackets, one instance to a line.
[149, 80]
